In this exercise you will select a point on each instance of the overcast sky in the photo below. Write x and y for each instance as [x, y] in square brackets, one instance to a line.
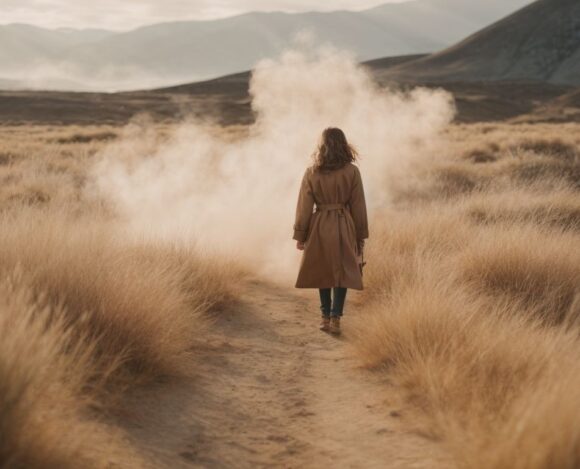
[127, 14]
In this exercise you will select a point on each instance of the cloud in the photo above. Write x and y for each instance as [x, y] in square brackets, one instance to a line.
[127, 14]
[239, 197]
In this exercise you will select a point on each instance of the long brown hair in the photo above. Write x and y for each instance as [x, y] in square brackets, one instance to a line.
[334, 151]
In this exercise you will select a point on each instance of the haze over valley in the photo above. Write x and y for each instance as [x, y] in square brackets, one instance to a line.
[184, 51]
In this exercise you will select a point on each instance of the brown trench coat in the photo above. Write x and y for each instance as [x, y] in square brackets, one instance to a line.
[334, 231]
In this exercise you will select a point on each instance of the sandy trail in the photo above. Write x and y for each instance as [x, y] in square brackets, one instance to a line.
[270, 390]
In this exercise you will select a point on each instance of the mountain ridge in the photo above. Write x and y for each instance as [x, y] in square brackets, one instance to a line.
[172, 52]
[541, 42]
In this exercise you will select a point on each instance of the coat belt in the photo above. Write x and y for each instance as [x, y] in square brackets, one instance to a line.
[329, 207]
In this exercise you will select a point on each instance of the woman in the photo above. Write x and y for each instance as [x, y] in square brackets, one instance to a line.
[332, 237]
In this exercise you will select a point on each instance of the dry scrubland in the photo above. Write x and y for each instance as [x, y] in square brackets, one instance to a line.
[86, 311]
[473, 297]
[471, 308]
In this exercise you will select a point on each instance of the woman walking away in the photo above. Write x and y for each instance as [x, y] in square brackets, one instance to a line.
[332, 237]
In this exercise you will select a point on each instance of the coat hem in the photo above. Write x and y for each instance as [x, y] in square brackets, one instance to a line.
[335, 286]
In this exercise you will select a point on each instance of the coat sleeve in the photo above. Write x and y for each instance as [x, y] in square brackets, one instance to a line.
[358, 208]
[304, 209]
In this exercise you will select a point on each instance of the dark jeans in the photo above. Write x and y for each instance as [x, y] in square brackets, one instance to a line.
[335, 306]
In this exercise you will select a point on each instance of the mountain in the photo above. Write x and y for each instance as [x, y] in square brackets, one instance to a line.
[22, 43]
[445, 21]
[540, 43]
[170, 53]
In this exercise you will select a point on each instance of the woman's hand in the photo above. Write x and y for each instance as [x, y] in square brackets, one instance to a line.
[299, 246]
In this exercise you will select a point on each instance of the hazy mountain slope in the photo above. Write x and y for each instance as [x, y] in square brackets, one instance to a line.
[169, 53]
[446, 21]
[538, 43]
[22, 44]
[215, 48]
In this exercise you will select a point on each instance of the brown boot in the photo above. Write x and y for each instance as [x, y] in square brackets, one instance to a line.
[325, 323]
[335, 325]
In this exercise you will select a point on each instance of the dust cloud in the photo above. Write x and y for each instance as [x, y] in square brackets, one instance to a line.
[238, 198]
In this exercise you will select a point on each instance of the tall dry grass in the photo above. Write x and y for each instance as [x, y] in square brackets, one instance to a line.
[473, 298]
[144, 300]
[472, 303]
[46, 368]
[90, 315]
[87, 311]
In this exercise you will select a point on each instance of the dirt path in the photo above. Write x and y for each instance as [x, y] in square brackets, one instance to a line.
[272, 391]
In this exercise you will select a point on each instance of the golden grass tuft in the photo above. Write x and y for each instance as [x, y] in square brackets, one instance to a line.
[46, 371]
[87, 311]
[539, 269]
[92, 314]
[472, 298]
[145, 301]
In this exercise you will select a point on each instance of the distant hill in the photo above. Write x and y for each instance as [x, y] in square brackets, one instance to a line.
[169, 53]
[538, 43]
[226, 101]
[22, 44]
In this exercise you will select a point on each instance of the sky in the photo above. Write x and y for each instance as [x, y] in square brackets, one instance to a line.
[128, 14]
